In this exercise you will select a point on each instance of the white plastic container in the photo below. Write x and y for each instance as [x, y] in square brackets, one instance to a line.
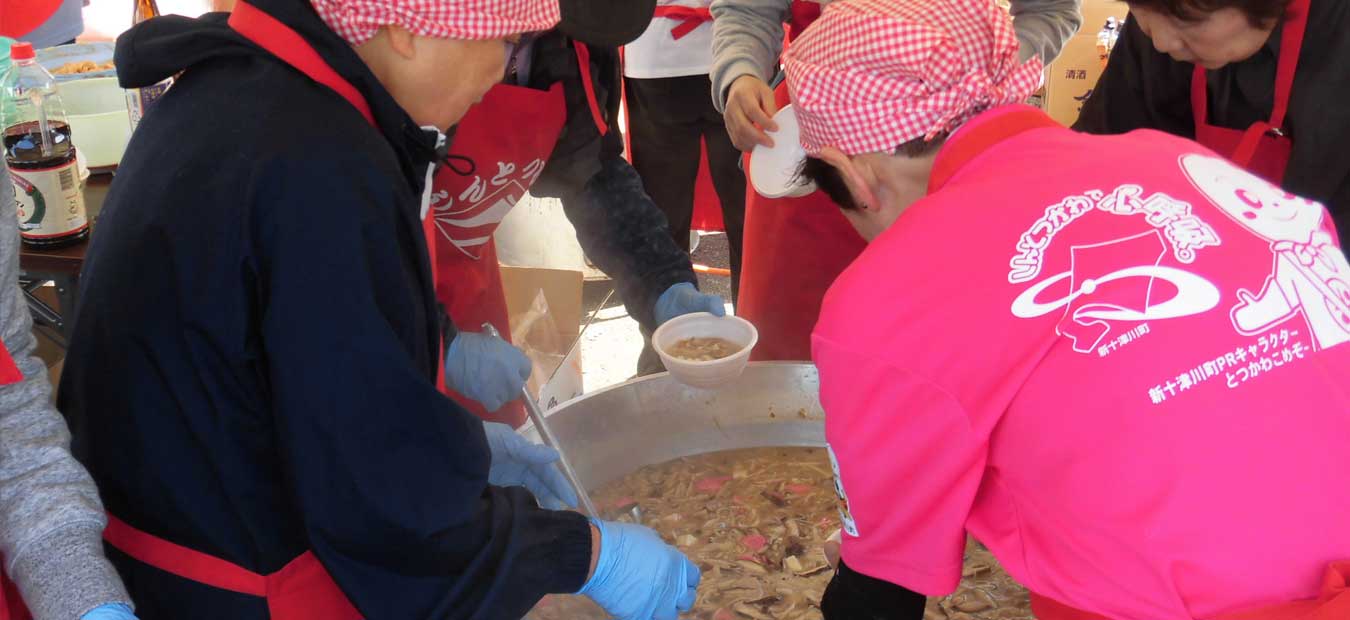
[714, 373]
[773, 169]
[99, 53]
[97, 111]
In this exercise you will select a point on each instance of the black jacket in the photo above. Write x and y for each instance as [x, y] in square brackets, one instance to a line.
[618, 225]
[252, 370]
[1143, 88]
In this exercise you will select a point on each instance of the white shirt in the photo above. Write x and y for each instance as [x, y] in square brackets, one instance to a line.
[658, 54]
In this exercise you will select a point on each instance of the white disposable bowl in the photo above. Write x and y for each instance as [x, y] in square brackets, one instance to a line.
[773, 169]
[713, 373]
[99, 126]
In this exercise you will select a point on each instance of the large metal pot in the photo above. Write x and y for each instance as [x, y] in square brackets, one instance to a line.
[611, 432]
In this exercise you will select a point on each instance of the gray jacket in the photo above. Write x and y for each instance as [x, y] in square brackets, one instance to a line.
[51, 520]
[748, 36]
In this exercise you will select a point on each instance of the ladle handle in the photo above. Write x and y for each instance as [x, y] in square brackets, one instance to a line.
[551, 440]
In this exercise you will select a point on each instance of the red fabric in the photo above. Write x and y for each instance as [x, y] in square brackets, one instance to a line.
[1262, 148]
[1332, 604]
[9, 371]
[301, 590]
[358, 20]
[284, 43]
[11, 604]
[21, 17]
[794, 249]
[466, 210]
[689, 17]
[707, 206]
[181, 561]
[802, 14]
[959, 152]
[584, 62]
[939, 64]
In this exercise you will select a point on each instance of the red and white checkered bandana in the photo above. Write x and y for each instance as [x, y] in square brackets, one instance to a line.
[358, 20]
[870, 75]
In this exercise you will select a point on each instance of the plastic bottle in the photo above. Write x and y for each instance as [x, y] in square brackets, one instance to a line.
[40, 155]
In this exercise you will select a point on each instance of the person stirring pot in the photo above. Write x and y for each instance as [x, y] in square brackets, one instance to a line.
[252, 378]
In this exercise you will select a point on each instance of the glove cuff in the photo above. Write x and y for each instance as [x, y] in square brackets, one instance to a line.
[601, 564]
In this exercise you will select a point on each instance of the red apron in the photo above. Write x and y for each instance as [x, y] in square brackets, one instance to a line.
[303, 589]
[1263, 149]
[794, 249]
[509, 136]
[1332, 603]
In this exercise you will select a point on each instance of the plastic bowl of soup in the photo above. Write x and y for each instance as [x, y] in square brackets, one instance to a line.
[703, 350]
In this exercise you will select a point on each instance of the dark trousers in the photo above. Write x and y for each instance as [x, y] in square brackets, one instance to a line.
[667, 119]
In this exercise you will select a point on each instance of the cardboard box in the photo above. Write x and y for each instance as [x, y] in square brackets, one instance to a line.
[1071, 78]
[1095, 13]
[545, 310]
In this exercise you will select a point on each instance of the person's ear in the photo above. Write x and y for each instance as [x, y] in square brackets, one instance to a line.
[859, 179]
[401, 41]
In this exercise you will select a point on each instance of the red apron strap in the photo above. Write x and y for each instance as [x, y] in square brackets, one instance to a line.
[9, 371]
[1291, 48]
[584, 63]
[689, 17]
[181, 561]
[1251, 140]
[1200, 97]
[284, 43]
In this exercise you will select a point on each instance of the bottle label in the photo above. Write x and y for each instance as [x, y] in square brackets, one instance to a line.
[139, 100]
[50, 202]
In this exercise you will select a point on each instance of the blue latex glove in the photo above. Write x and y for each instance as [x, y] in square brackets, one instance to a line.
[640, 577]
[683, 298]
[111, 611]
[518, 462]
[486, 369]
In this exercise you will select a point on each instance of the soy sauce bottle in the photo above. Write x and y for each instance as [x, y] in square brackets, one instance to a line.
[139, 100]
[40, 155]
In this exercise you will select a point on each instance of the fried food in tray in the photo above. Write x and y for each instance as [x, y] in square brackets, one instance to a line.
[82, 66]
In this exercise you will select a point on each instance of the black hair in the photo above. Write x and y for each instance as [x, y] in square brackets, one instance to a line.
[831, 181]
[1259, 12]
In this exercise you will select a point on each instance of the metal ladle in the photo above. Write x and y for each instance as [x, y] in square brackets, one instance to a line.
[551, 440]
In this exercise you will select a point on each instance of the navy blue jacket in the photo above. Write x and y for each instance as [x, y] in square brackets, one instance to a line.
[252, 369]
